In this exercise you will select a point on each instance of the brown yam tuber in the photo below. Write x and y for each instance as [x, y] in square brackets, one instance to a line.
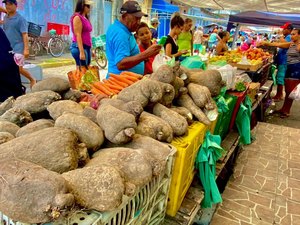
[187, 102]
[56, 109]
[153, 126]
[118, 126]
[200, 94]
[184, 112]
[176, 121]
[32, 194]
[54, 148]
[71, 94]
[36, 102]
[178, 85]
[87, 131]
[132, 164]
[99, 187]
[164, 73]
[6, 105]
[143, 91]
[55, 84]
[35, 126]
[211, 79]
[90, 113]
[168, 94]
[19, 117]
[5, 137]
[133, 107]
[6, 126]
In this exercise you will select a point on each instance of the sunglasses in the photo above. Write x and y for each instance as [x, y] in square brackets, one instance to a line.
[88, 6]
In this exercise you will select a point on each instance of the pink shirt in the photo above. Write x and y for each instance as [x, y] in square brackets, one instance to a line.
[86, 30]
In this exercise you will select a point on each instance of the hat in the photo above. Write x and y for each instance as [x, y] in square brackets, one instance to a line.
[132, 7]
[287, 26]
[11, 1]
[154, 20]
[88, 2]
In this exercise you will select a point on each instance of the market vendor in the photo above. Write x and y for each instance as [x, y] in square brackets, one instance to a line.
[122, 49]
[222, 47]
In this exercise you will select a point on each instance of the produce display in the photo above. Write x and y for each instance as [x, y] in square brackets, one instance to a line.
[88, 151]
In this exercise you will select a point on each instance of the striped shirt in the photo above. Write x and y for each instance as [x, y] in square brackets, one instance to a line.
[293, 55]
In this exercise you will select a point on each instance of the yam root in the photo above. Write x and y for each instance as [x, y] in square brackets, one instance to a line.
[71, 94]
[153, 126]
[187, 102]
[56, 109]
[177, 122]
[168, 94]
[55, 84]
[90, 113]
[143, 91]
[200, 94]
[164, 73]
[54, 148]
[118, 126]
[32, 194]
[178, 85]
[6, 126]
[35, 126]
[6, 105]
[19, 117]
[36, 102]
[5, 137]
[98, 187]
[132, 164]
[87, 131]
[183, 112]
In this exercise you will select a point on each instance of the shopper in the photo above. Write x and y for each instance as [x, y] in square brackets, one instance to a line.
[153, 27]
[281, 61]
[292, 76]
[185, 39]
[222, 47]
[16, 30]
[121, 47]
[171, 47]
[198, 37]
[213, 39]
[143, 33]
[81, 28]
[10, 81]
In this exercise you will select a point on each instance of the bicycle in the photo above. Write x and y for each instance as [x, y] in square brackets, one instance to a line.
[99, 51]
[53, 45]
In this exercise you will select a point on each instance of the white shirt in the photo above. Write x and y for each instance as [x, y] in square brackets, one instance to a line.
[198, 35]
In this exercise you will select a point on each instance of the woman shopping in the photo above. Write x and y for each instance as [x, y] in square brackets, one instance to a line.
[222, 47]
[81, 28]
[185, 39]
[292, 76]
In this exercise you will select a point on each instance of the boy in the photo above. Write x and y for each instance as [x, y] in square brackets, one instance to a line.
[15, 28]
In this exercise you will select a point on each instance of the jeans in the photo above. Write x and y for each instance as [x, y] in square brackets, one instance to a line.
[75, 53]
[293, 71]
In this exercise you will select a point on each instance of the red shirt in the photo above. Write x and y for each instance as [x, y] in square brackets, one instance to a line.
[148, 62]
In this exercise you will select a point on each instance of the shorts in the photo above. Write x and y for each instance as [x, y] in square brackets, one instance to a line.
[281, 70]
[197, 47]
[75, 53]
[293, 71]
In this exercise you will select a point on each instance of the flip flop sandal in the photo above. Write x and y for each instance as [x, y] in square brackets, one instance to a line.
[284, 115]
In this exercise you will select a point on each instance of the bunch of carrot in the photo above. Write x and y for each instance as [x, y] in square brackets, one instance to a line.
[115, 83]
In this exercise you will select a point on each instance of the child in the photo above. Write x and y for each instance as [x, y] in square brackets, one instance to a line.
[171, 47]
[144, 36]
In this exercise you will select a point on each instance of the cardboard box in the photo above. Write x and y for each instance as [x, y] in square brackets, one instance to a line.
[253, 90]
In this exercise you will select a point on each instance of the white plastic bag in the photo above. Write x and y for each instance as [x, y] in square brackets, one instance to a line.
[295, 94]
[160, 59]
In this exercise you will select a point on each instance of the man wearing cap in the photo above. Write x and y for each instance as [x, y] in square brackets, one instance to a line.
[121, 48]
[281, 60]
[153, 27]
[15, 28]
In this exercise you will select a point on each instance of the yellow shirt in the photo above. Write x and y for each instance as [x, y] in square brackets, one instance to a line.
[184, 41]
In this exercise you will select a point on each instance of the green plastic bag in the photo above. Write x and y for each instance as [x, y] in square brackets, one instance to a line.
[210, 152]
[273, 74]
[193, 62]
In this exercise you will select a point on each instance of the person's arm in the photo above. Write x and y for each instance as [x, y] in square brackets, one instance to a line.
[131, 61]
[2, 10]
[298, 47]
[168, 51]
[192, 44]
[219, 49]
[77, 24]
[278, 44]
[26, 46]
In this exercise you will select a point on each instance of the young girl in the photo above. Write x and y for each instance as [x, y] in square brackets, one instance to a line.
[171, 47]
[143, 34]
[185, 38]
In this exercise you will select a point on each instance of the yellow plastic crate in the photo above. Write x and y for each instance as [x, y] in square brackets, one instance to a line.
[183, 173]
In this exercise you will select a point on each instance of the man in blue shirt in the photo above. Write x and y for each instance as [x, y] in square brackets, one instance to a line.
[281, 60]
[15, 28]
[121, 47]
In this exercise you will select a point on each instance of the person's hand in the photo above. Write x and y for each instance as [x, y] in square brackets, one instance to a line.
[1, 22]
[82, 56]
[32, 82]
[153, 50]
[2, 10]
[26, 53]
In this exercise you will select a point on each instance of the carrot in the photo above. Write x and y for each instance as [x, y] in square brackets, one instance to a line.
[134, 79]
[129, 73]
[112, 86]
[96, 91]
[110, 89]
[114, 83]
[100, 86]
[122, 79]
[119, 82]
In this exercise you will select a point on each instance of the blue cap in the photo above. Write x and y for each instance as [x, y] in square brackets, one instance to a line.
[11, 1]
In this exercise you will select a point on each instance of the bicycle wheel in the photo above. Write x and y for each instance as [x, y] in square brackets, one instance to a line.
[56, 46]
[34, 48]
[100, 57]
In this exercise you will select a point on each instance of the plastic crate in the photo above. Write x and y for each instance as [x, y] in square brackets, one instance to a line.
[35, 71]
[34, 30]
[187, 148]
[99, 41]
[223, 121]
[147, 206]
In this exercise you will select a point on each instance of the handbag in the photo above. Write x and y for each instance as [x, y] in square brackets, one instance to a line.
[83, 76]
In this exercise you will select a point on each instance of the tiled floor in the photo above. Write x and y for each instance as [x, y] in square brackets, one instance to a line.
[265, 186]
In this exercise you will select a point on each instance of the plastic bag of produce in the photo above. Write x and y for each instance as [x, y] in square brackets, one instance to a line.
[295, 94]
[161, 59]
